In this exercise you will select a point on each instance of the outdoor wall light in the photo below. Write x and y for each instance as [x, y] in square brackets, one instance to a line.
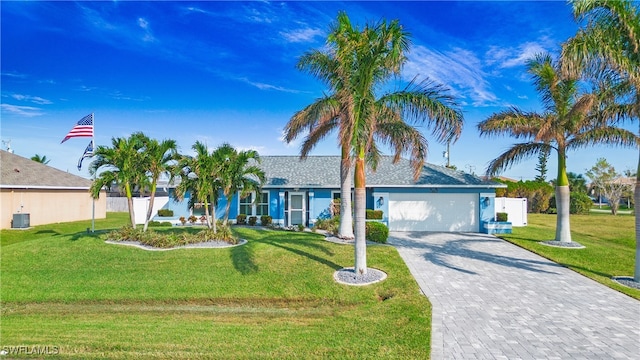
[380, 201]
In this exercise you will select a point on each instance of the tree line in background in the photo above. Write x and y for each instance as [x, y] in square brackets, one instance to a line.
[606, 184]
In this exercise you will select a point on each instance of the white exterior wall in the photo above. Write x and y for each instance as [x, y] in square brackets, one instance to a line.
[516, 208]
[140, 206]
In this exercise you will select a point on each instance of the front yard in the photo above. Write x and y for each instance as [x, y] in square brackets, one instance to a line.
[67, 291]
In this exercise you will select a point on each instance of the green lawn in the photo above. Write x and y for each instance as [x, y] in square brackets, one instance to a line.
[609, 240]
[272, 298]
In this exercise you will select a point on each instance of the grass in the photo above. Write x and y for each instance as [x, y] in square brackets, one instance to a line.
[272, 298]
[609, 240]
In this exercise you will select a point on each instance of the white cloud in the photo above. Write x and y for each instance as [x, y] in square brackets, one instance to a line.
[508, 57]
[144, 25]
[301, 35]
[264, 86]
[34, 99]
[458, 69]
[27, 111]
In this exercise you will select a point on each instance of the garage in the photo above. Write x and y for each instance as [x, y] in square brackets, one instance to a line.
[433, 212]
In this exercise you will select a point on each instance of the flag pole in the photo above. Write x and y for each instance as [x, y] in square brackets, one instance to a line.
[93, 148]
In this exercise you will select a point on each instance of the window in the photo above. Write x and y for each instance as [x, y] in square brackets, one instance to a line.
[246, 205]
[262, 208]
[259, 208]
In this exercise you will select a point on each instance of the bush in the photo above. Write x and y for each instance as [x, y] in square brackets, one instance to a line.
[241, 219]
[158, 223]
[165, 212]
[373, 214]
[330, 225]
[502, 216]
[253, 220]
[580, 203]
[377, 232]
[192, 219]
[266, 220]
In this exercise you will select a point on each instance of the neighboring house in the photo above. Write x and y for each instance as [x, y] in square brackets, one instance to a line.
[46, 194]
[301, 191]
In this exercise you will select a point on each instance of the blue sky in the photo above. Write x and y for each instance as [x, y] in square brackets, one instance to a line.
[225, 71]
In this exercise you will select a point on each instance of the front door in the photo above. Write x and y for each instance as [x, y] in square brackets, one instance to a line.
[297, 208]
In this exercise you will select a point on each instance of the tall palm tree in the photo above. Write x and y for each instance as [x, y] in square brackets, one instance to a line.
[238, 173]
[357, 65]
[331, 112]
[199, 177]
[158, 158]
[120, 165]
[41, 159]
[569, 121]
[611, 38]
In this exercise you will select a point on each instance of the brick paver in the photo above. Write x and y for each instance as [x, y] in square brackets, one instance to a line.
[494, 300]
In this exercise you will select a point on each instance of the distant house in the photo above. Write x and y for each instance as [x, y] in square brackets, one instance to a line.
[46, 194]
[301, 191]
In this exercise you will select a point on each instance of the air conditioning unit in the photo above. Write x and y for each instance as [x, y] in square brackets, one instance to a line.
[20, 221]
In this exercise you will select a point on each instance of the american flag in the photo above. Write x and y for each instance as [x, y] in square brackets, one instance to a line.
[84, 128]
[88, 152]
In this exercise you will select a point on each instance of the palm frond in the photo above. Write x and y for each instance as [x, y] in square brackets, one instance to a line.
[515, 154]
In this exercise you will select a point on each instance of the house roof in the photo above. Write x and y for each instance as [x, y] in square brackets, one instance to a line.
[324, 171]
[17, 172]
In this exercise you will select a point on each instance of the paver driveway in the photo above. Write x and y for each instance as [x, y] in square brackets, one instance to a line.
[494, 300]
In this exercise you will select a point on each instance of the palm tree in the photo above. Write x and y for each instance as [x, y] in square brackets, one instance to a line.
[611, 38]
[569, 121]
[41, 159]
[120, 165]
[199, 177]
[238, 173]
[331, 112]
[359, 63]
[158, 159]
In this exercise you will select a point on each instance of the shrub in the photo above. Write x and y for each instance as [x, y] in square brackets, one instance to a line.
[203, 219]
[158, 223]
[377, 232]
[192, 219]
[253, 220]
[300, 227]
[241, 219]
[223, 234]
[330, 225]
[579, 203]
[266, 220]
[183, 220]
[374, 214]
[165, 212]
[502, 216]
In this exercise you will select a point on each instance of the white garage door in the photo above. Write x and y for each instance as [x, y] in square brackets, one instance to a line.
[433, 212]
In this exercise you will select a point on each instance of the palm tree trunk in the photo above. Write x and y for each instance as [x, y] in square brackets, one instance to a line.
[227, 209]
[636, 197]
[132, 216]
[563, 226]
[206, 213]
[345, 230]
[359, 207]
[152, 197]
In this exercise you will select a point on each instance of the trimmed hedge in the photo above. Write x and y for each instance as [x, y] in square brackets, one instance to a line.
[377, 232]
[253, 220]
[373, 214]
[502, 216]
[165, 212]
[241, 219]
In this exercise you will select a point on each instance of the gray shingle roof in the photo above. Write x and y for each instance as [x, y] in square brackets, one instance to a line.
[19, 172]
[324, 171]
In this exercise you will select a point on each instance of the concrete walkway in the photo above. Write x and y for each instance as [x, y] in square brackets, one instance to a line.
[494, 300]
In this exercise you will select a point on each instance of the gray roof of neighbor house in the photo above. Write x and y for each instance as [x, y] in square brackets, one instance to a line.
[324, 171]
[18, 172]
